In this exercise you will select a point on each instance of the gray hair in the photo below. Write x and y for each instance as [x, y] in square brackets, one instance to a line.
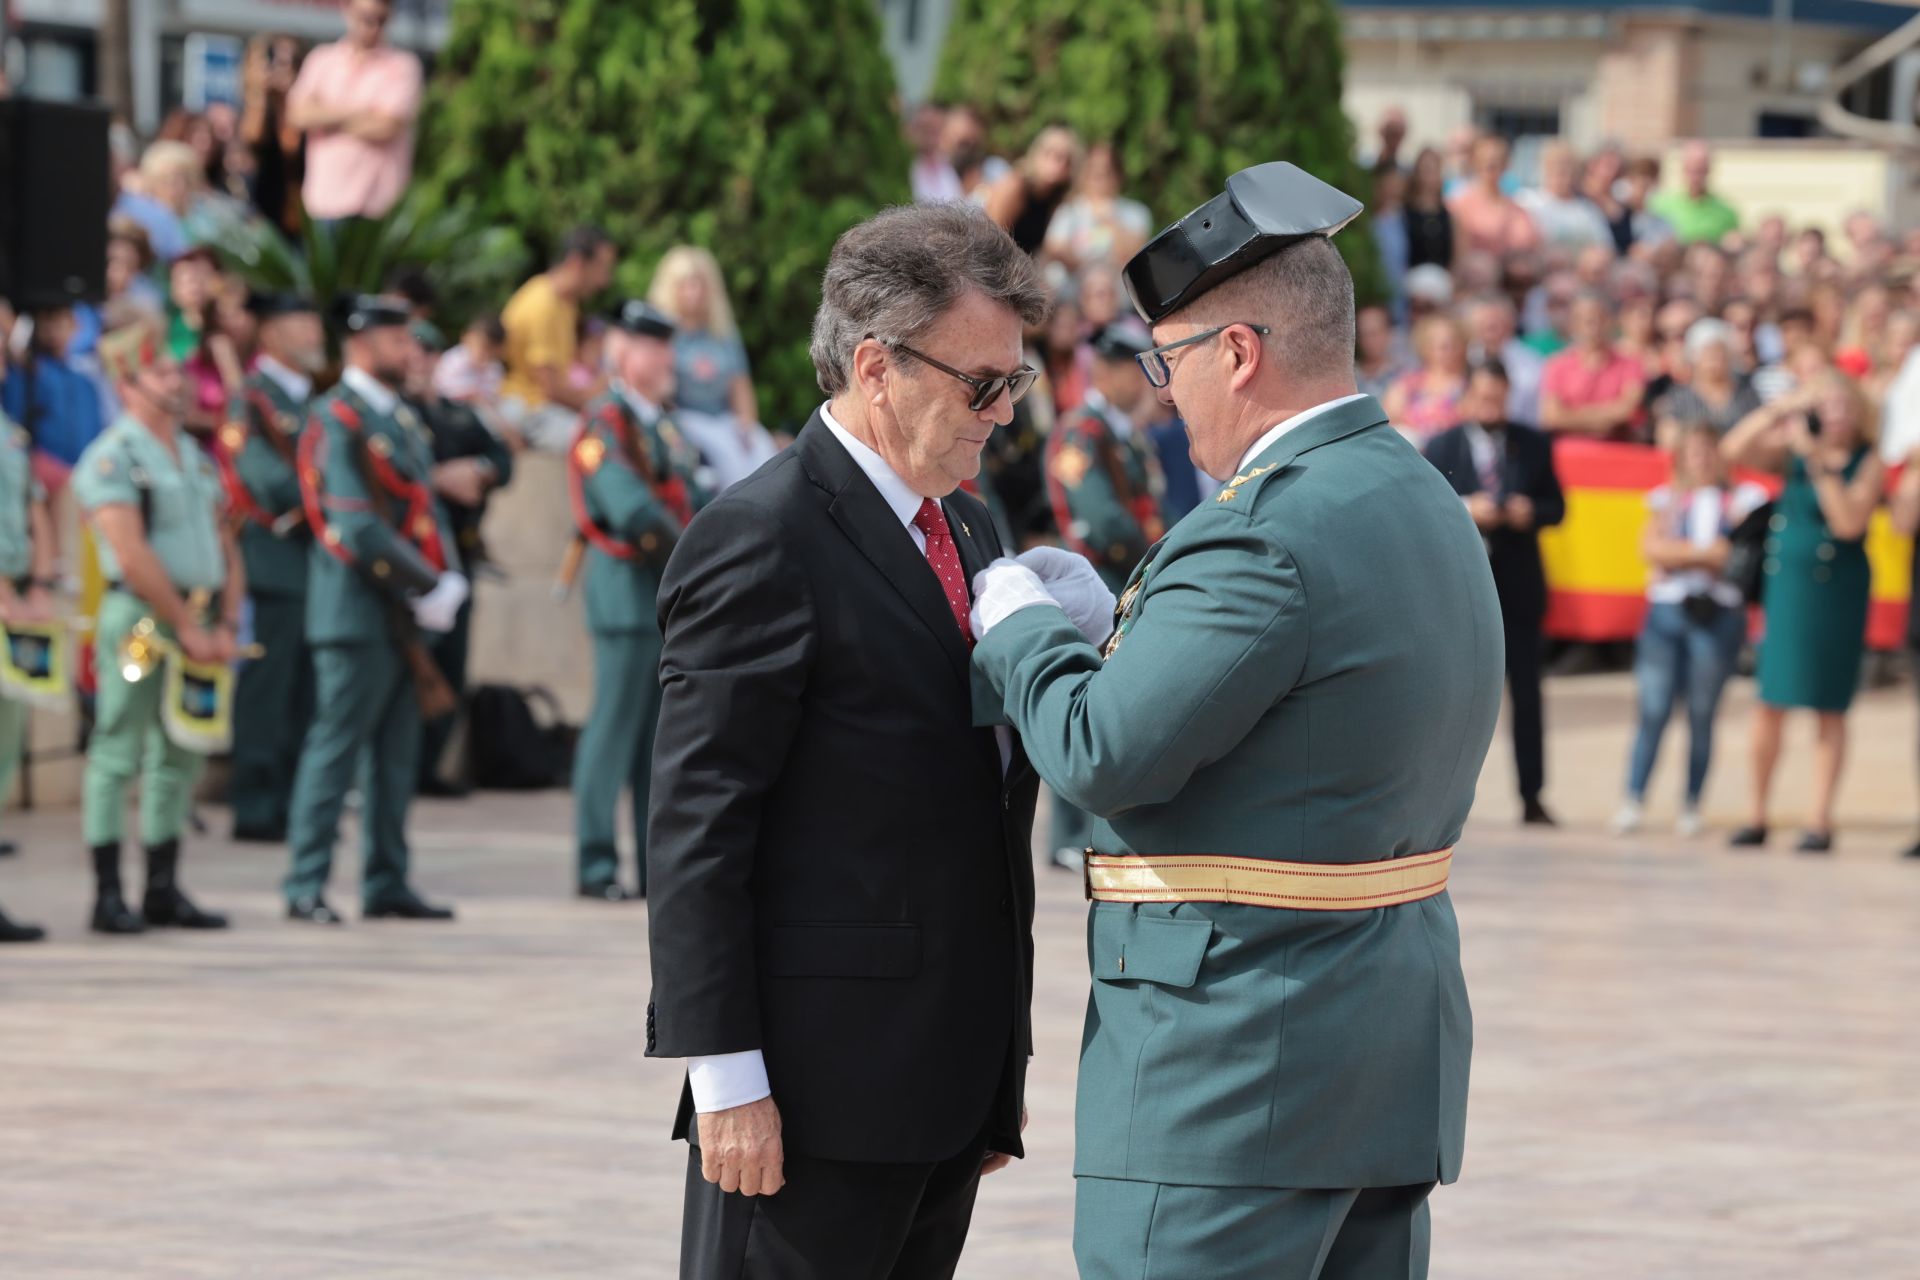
[894, 275]
[1704, 333]
[1304, 293]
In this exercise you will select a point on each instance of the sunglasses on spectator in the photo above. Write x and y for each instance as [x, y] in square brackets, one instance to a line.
[1159, 371]
[985, 390]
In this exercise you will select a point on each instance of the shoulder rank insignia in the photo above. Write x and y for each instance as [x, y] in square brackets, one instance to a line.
[1070, 466]
[1232, 489]
[233, 436]
[590, 451]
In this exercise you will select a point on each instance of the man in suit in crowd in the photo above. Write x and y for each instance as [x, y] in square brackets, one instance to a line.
[838, 858]
[1504, 472]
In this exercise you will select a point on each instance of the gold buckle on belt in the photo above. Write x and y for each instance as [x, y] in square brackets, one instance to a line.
[1265, 882]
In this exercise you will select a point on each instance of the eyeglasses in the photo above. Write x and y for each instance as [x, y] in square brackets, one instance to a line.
[1154, 363]
[985, 390]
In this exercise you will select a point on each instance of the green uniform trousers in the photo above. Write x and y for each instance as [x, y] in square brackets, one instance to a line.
[128, 740]
[1152, 1231]
[367, 723]
[272, 707]
[13, 740]
[616, 750]
[450, 655]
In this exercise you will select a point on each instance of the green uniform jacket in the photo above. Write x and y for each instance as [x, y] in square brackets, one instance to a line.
[360, 560]
[1309, 671]
[635, 510]
[1105, 490]
[183, 502]
[258, 444]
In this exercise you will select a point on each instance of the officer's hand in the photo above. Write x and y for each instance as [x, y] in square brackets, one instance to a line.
[198, 644]
[740, 1149]
[998, 1160]
[1072, 580]
[35, 606]
[1001, 589]
[226, 646]
[1484, 511]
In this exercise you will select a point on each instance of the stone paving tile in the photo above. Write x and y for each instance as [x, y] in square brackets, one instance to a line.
[1689, 1063]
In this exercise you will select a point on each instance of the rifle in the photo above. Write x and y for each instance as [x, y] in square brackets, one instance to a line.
[430, 688]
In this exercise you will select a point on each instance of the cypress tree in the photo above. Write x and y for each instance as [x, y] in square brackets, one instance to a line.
[761, 129]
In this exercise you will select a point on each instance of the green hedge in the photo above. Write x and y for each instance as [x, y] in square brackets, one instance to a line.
[1189, 91]
[761, 129]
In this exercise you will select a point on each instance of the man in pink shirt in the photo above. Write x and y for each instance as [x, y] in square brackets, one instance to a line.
[1592, 388]
[356, 101]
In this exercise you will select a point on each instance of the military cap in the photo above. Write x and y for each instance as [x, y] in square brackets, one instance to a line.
[638, 316]
[428, 335]
[131, 350]
[1122, 340]
[266, 304]
[360, 312]
[1263, 210]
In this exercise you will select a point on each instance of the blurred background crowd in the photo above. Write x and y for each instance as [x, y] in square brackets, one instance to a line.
[1523, 307]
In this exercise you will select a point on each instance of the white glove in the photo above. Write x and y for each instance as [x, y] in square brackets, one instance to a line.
[1071, 579]
[1002, 588]
[436, 610]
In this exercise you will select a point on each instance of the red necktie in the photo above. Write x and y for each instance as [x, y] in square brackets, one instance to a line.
[945, 559]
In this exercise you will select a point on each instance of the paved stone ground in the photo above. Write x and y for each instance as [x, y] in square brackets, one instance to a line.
[1690, 1063]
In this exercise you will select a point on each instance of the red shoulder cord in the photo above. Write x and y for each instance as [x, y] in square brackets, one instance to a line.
[1057, 496]
[226, 459]
[599, 539]
[313, 443]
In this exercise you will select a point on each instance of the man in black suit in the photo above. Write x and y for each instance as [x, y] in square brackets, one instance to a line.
[1504, 471]
[839, 860]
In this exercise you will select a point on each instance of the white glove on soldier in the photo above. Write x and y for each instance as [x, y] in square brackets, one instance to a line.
[1002, 588]
[1071, 579]
[436, 610]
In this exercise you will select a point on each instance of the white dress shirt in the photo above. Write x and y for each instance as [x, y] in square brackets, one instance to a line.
[724, 1080]
[381, 397]
[1261, 445]
[298, 386]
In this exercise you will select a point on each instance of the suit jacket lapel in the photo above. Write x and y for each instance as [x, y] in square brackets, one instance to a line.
[863, 515]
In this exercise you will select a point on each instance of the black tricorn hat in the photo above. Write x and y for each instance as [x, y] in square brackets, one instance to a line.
[266, 304]
[1263, 210]
[360, 312]
[638, 316]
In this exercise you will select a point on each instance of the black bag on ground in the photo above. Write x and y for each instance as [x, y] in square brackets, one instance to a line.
[509, 747]
[1746, 561]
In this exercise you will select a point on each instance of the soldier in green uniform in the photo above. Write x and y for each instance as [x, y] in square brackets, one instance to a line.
[469, 463]
[1103, 481]
[273, 703]
[1280, 735]
[631, 474]
[155, 503]
[26, 595]
[384, 569]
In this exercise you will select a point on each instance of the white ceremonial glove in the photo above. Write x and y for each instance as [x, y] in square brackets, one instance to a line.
[436, 610]
[1071, 579]
[1002, 588]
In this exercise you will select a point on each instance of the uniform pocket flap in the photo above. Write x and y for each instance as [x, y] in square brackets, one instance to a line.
[1129, 947]
[844, 950]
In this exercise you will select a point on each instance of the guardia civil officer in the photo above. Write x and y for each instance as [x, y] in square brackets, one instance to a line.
[1103, 481]
[384, 570]
[1280, 741]
[273, 702]
[174, 574]
[26, 596]
[631, 477]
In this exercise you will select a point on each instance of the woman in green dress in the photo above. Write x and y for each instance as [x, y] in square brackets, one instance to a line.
[1820, 438]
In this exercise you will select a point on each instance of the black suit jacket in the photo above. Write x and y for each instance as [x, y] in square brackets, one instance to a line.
[1526, 468]
[837, 872]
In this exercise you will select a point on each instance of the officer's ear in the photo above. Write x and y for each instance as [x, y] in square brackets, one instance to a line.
[1244, 355]
[869, 371]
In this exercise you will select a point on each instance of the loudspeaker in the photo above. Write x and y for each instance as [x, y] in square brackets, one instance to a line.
[54, 199]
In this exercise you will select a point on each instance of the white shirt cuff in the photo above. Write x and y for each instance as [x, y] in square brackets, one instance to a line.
[722, 1081]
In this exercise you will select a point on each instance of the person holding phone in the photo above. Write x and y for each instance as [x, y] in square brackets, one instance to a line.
[1820, 437]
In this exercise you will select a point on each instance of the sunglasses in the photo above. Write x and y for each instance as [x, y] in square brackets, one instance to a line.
[1154, 363]
[985, 390]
